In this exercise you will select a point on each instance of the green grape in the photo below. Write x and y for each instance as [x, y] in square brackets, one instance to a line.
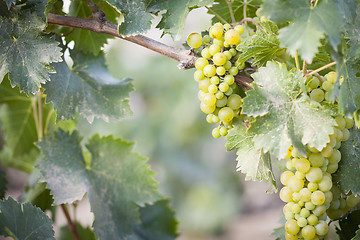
[328, 198]
[335, 204]
[215, 119]
[349, 123]
[216, 133]
[227, 65]
[205, 53]
[229, 79]
[221, 102]
[300, 175]
[228, 55]
[209, 71]
[305, 213]
[290, 165]
[229, 91]
[291, 227]
[331, 77]
[321, 228]
[319, 210]
[241, 66]
[285, 177]
[352, 201]
[204, 85]
[346, 134]
[296, 197]
[209, 99]
[219, 59]
[338, 135]
[200, 63]
[314, 175]
[226, 114]
[201, 95]
[327, 86]
[223, 86]
[215, 80]
[327, 151]
[240, 29]
[216, 31]
[305, 194]
[312, 220]
[318, 197]
[317, 95]
[308, 232]
[342, 203]
[227, 26]
[289, 215]
[219, 42]
[233, 51]
[220, 70]
[234, 101]
[332, 142]
[295, 208]
[213, 49]
[314, 83]
[194, 40]
[309, 206]
[223, 131]
[302, 165]
[331, 168]
[199, 75]
[219, 95]
[295, 184]
[213, 89]
[234, 71]
[209, 118]
[232, 37]
[325, 184]
[340, 121]
[207, 108]
[207, 39]
[316, 159]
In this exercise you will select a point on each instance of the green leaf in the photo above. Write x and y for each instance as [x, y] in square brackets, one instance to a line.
[173, 21]
[252, 161]
[221, 8]
[116, 179]
[157, 222]
[136, 19]
[89, 88]
[85, 40]
[349, 166]
[24, 221]
[357, 234]
[263, 46]
[284, 116]
[349, 225]
[308, 24]
[26, 51]
[279, 232]
[18, 124]
[3, 183]
[84, 233]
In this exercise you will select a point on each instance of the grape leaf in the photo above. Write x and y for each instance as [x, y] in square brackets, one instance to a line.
[349, 166]
[349, 225]
[173, 21]
[85, 40]
[116, 179]
[284, 117]
[308, 24]
[4, 11]
[136, 19]
[26, 51]
[252, 161]
[357, 234]
[3, 183]
[157, 222]
[88, 87]
[221, 8]
[263, 46]
[84, 233]
[24, 221]
[279, 233]
[17, 118]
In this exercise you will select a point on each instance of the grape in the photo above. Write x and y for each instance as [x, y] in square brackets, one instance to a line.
[285, 177]
[321, 228]
[305, 194]
[232, 37]
[314, 83]
[205, 53]
[288, 236]
[328, 197]
[317, 95]
[296, 208]
[227, 26]
[229, 91]
[316, 159]
[219, 95]
[223, 131]
[319, 210]
[207, 39]
[201, 95]
[226, 114]
[229, 79]
[331, 77]
[219, 42]
[213, 89]
[194, 40]
[349, 123]
[335, 204]
[216, 133]
[213, 49]
[312, 220]
[352, 201]
[309, 206]
[209, 99]
[338, 134]
[223, 86]
[302, 165]
[206, 108]
[215, 119]
[346, 134]
[290, 165]
[302, 222]
[340, 121]
[209, 118]
[209, 70]
[234, 101]
[227, 65]
[295, 184]
[327, 151]
[312, 186]
[233, 51]
[215, 80]
[199, 75]
[221, 102]
[204, 85]
[314, 175]
[305, 213]
[216, 31]
[220, 70]
[219, 59]
[318, 197]
[240, 29]
[327, 86]
[200, 63]
[331, 168]
[234, 71]
[296, 197]
[325, 184]
[308, 232]
[291, 227]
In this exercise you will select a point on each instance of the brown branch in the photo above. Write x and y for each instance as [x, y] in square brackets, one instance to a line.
[71, 225]
[250, 20]
[184, 57]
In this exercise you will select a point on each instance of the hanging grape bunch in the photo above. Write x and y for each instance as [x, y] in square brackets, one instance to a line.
[215, 73]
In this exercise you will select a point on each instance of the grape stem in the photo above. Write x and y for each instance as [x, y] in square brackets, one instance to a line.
[231, 11]
[101, 25]
[311, 72]
[297, 60]
[247, 19]
[304, 68]
[71, 225]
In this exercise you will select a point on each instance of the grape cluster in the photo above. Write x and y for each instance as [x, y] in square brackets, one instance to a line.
[308, 189]
[215, 73]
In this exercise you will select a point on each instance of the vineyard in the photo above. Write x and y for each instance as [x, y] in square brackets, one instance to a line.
[276, 81]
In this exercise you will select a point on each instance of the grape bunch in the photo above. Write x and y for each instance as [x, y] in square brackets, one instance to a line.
[308, 188]
[215, 74]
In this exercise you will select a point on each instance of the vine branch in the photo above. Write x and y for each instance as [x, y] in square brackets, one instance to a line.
[71, 225]
[320, 69]
[250, 20]
[184, 57]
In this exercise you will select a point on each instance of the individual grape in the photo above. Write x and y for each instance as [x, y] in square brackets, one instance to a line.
[291, 227]
[335, 204]
[342, 203]
[219, 42]
[199, 75]
[229, 79]
[209, 118]
[285, 177]
[319, 210]
[219, 95]
[296, 197]
[321, 228]
[288, 236]
[308, 232]
[205, 53]
[328, 197]
[349, 123]
[223, 86]
[207, 39]
[312, 220]
[223, 131]
[226, 114]
[340, 121]
[352, 201]
[296, 208]
[227, 65]
[227, 26]
[194, 40]
[204, 85]
[206, 108]
[302, 165]
[215, 80]
[209, 99]
[314, 175]
[290, 165]
[295, 184]
[240, 29]
[200, 63]
[232, 37]
[215, 119]
[302, 222]
[216, 31]
[219, 59]
[234, 71]
[228, 55]
[318, 197]
[229, 91]
[327, 86]
[310, 206]
[289, 215]
[331, 168]
[216, 133]
[209, 70]
[325, 184]
[317, 95]
[338, 135]
[312, 186]
[314, 83]
[305, 213]
[233, 51]
[305, 194]
[213, 89]
[234, 101]
[316, 159]
[221, 102]
[346, 134]
[331, 76]
[213, 49]
[327, 151]
[220, 70]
